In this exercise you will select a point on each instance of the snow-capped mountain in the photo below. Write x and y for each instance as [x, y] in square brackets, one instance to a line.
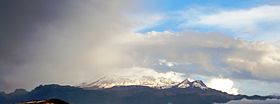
[159, 83]
[126, 95]
[109, 82]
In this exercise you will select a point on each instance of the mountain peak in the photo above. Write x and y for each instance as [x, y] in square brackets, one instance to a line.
[199, 83]
[184, 84]
[196, 83]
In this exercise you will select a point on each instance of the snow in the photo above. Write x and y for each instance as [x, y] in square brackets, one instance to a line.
[107, 82]
[183, 86]
[160, 82]
[199, 85]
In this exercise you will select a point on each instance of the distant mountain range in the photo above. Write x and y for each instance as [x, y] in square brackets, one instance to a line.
[128, 92]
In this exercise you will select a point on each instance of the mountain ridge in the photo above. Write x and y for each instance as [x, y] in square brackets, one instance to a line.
[194, 92]
[126, 95]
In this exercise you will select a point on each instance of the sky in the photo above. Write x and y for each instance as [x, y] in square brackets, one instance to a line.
[230, 43]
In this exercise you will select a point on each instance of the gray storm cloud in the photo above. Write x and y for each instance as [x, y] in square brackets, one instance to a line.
[69, 42]
[59, 41]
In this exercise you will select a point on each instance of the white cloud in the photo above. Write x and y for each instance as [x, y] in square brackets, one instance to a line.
[255, 23]
[223, 84]
[139, 72]
[244, 19]
[167, 63]
[145, 20]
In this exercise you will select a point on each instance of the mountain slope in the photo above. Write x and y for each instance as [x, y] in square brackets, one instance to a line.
[109, 82]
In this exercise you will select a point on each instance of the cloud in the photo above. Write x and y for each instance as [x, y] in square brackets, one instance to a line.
[259, 58]
[246, 101]
[223, 84]
[242, 19]
[259, 87]
[140, 72]
[203, 54]
[256, 21]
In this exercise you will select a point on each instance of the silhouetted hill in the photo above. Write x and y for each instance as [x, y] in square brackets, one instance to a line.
[48, 101]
